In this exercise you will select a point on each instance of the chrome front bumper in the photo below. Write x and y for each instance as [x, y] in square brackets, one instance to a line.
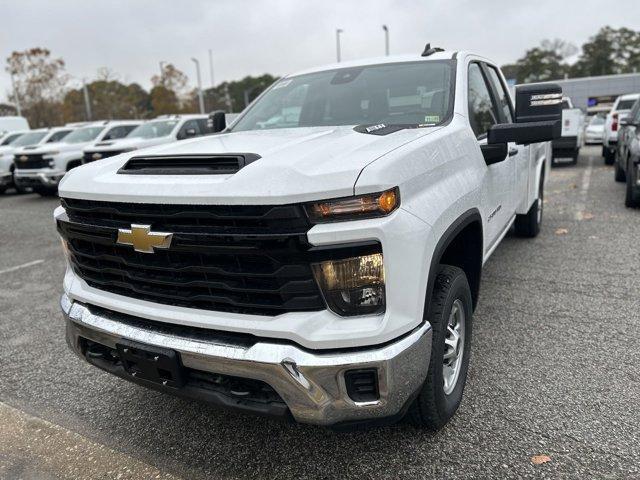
[48, 178]
[311, 383]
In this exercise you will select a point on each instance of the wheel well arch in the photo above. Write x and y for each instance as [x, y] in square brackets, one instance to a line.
[460, 246]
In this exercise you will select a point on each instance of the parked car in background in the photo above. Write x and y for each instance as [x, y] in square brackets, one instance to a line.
[164, 129]
[30, 139]
[594, 130]
[322, 265]
[568, 146]
[626, 136]
[620, 108]
[13, 123]
[627, 160]
[9, 137]
[43, 166]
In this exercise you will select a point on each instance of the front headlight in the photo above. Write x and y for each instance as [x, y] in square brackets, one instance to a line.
[50, 154]
[353, 286]
[355, 208]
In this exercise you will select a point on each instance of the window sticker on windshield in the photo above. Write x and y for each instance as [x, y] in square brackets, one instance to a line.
[431, 118]
[282, 84]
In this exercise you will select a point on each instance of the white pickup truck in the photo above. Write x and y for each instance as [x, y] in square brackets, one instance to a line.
[568, 145]
[42, 166]
[323, 264]
[159, 131]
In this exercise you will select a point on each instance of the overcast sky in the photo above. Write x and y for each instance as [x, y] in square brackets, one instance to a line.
[251, 37]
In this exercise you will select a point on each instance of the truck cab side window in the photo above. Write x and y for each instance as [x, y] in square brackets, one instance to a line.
[503, 95]
[482, 112]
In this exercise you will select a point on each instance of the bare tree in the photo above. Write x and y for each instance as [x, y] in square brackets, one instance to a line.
[39, 83]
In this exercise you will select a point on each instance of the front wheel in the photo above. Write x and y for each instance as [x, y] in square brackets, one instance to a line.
[449, 313]
[46, 191]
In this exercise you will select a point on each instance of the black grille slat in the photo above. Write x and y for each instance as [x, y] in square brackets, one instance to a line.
[30, 161]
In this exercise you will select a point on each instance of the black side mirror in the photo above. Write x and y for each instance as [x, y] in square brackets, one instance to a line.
[217, 121]
[625, 121]
[538, 116]
[494, 153]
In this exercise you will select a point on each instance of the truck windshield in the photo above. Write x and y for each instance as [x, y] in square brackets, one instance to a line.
[29, 139]
[626, 104]
[83, 135]
[153, 129]
[10, 139]
[596, 120]
[412, 93]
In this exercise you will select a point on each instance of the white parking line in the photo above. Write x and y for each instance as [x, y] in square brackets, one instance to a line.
[584, 190]
[20, 267]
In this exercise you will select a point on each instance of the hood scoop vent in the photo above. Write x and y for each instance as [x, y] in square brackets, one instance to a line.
[207, 164]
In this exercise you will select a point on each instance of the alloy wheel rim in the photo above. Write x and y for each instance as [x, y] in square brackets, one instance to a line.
[453, 347]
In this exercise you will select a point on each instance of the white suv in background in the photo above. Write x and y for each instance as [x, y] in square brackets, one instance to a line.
[164, 129]
[621, 108]
[23, 141]
[43, 166]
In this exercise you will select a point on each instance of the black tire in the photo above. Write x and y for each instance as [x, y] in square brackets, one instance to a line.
[433, 408]
[3, 188]
[576, 154]
[18, 188]
[46, 191]
[618, 171]
[608, 156]
[528, 225]
[632, 195]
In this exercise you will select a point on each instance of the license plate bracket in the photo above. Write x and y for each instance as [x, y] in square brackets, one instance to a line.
[154, 364]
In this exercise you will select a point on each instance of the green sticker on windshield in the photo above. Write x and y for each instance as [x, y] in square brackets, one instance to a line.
[431, 118]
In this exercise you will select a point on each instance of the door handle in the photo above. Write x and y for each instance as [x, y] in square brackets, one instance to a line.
[513, 151]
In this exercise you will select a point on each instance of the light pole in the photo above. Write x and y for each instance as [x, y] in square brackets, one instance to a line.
[386, 39]
[87, 103]
[211, 67]
[15, 95]
[338, 32]
[200, 98]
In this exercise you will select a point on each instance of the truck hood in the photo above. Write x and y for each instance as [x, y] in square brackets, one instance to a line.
[129, 143]
[296, 165]
[54, 147]
[6, 150]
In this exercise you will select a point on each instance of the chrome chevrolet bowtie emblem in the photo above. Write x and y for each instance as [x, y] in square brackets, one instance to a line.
[24, 158]
[96, 156]
[142, 239]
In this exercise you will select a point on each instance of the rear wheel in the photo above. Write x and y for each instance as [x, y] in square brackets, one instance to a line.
[449, 313]
[608, 156]
[632, 196]
[528, 225]
[618, 171]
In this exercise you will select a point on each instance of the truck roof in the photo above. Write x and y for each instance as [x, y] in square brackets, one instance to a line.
[444, 55]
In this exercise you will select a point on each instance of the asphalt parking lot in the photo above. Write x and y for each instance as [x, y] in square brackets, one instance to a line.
[554, 370]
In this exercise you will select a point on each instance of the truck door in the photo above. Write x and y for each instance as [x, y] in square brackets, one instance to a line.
[519, 154]
[497, 202]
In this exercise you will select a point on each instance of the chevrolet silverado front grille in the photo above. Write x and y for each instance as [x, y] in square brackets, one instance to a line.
[243, 259]
[30, 161]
